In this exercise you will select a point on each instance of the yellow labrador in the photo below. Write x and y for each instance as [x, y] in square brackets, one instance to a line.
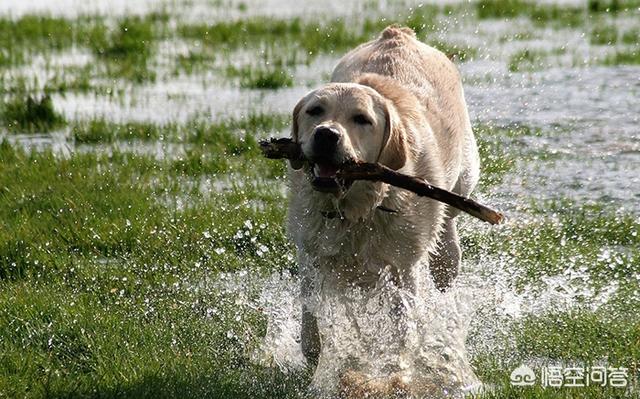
[396, 101]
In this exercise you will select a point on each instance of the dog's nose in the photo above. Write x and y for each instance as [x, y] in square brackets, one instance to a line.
[325, 140]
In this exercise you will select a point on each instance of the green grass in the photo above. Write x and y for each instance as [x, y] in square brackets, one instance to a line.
[532, 60]
[235, 135]
[566, 338]
[295, 34]
[556, 236]
[612, 6]
[604, 34]
[261, 77]
[630, 56]
[96, 275]
[587, 337]
[631, 36]
[20, 38]
[499, 150]
[102, 272]
[30, 115]
[92, 206]
[544, 13]
[127, 49]
[564, 234]
[456, 52]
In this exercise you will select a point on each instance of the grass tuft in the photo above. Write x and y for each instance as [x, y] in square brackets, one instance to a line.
[604, 35]
[629, 56]
[631, 36]
[501, 9]
[261, 77]
[127, 49]
[21, 37]
[31, 115]
[611, 6]
[531, 60]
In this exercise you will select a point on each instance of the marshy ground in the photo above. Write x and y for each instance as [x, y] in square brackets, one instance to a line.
[131, 187]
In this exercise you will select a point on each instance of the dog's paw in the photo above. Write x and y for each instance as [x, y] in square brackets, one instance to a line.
[355, 384]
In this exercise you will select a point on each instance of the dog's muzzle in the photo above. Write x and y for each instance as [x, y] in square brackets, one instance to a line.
[324, 162]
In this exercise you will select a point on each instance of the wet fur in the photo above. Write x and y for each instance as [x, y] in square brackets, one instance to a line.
[427, 134]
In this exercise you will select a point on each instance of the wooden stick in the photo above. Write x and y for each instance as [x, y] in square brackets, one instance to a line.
[378, 172]
[284, 148]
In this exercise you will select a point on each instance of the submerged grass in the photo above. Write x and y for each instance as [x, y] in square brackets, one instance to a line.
[237, 135]
[30, 115]
[542, 13]
[499, 150]
[71, 79]
[604, 34]
[531, 60]
[101, 131]
[525, 59]
[630, 56]
[24, 36]
[124, 50]
[606, 242]
[128, 48]
[261, 77]
[311, 37]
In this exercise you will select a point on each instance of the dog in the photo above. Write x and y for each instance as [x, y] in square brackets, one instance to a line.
[399, 102]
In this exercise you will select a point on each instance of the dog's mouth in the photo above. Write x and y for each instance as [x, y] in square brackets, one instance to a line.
[324, 178]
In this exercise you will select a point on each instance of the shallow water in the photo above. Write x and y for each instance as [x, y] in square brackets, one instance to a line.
[445, 330]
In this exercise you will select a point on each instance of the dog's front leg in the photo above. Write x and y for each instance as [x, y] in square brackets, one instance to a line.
[309, 335]
[445, 263]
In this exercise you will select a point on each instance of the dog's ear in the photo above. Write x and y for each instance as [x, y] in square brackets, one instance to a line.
[296, 164]
[393, 152]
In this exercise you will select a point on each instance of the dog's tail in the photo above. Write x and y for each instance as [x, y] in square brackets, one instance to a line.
[396, 31]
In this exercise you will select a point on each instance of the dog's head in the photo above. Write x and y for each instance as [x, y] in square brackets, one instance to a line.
[345, 122]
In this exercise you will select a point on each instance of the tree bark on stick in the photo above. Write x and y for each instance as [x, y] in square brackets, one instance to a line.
[284, 148]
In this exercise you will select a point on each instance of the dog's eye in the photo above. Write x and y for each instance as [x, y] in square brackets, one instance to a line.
[315, 111]
[361, 120]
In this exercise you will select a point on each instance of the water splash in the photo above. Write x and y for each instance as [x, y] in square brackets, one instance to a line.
[362, 332]
[443, 331]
